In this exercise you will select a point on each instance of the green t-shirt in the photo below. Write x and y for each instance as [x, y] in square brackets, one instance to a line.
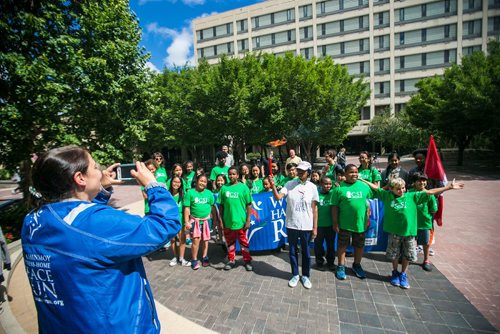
[351, 199]
[279, 180]
[331, 173]
[425, 212]
[234, 198]
[371, 175]
[179, 204]
[189, 179]
[200, 203]
[400, 213]
[217, 170]
[255, 186]
[325, 209]
[161, 175]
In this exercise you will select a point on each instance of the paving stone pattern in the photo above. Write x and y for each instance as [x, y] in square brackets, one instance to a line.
[238, 301]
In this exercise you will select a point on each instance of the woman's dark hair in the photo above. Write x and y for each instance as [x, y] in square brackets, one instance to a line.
[331, 153]
[151, 162]
[181, 188]
[53, 172]
[241, 168]
[369, 159]
[389, 158]
[174, 166]
[291, 165]
[251, 174]
[184, 166]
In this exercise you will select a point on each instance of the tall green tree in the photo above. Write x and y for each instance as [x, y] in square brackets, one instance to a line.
[461, 104]
[397, 132]
[71, 72]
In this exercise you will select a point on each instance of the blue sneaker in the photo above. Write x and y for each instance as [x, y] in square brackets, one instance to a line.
[195, 265]
[395, 278]
[403, 281]
[340, 273]
[358, 270]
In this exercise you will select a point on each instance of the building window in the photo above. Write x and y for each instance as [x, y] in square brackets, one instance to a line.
[323, 50]
[323, 29]
[342, 48]
[424, 59]
[401, 38]
[341, 4]
[362, 67]
[341, 25]
[360, 22]
[289, 35]
[424, 10]
[215, 50]
[401, 14]
[201, 34]
[446, 56]
[273, 39]
[401, 85]
[381, 65]
[381, 42]
[447, 31]
[289, 15]
[322, 7]
[361, 45]
[257, 22]
[402, 62]
[381, 87]
[380, 19]
[257, 42]
[424, 35]
[446, 6]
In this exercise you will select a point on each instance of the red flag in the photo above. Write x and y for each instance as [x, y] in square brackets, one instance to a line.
[434, 170]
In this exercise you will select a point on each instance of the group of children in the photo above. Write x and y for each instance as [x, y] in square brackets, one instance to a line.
[343, 210]
[407, 217]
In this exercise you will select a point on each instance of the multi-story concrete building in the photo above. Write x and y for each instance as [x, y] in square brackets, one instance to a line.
[393, 44]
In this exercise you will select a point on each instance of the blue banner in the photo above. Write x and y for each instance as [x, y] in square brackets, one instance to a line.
[268, 231]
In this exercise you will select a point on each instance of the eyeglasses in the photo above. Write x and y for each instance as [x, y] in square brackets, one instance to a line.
[158, 159]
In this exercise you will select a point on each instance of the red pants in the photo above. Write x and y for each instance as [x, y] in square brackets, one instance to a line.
[231, 237]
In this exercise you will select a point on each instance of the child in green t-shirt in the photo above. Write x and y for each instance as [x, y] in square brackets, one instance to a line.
[235, 211]
[350, 219]
[198, 209]
[400, 222]
[160, 173]
[221, 168]
[177, 191]
[366, 170]
[255, 183]
[189, 173]
[425, 212]
[325, 230]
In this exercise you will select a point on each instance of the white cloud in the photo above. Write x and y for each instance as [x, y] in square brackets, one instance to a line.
[143, 2]
[152, 67]
[180, 51]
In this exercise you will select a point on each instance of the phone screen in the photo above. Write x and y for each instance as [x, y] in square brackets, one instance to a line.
[123, 172]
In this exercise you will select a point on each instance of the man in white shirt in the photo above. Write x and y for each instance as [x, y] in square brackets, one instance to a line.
[292, 158]
[301, 220]
[230, 158]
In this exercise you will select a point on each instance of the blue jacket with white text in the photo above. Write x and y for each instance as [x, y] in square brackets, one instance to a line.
[83, 261]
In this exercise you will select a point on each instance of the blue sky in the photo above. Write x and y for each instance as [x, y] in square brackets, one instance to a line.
[166, 26]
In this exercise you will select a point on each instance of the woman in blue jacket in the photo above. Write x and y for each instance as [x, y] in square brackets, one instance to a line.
[82, 257]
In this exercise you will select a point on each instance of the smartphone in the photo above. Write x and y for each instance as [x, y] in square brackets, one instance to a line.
[123, 172]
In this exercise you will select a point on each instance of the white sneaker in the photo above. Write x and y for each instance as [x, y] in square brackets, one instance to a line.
[306, 282]
[293, 281]
[173, 262]
[432, 252]
[420, 249]
[185, 263]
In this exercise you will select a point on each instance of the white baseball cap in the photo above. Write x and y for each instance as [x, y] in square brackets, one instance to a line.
[304, 165]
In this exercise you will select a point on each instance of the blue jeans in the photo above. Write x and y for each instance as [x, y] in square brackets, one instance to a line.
[293, 240]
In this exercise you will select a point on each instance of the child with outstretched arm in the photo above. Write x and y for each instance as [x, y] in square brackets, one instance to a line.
[400, 222]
